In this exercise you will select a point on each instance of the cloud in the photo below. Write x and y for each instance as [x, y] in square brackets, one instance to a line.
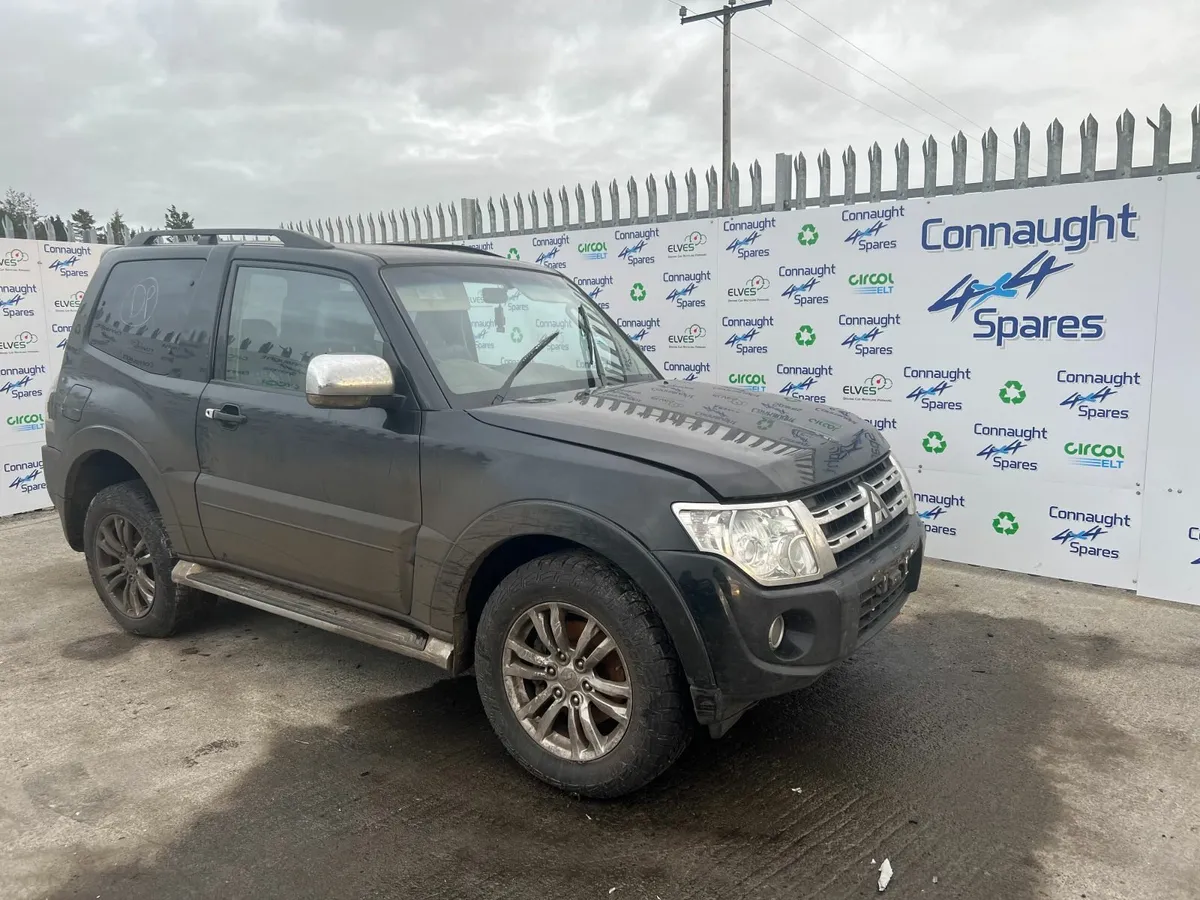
[252, 113]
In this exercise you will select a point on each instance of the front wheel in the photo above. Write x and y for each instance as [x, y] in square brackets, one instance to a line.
[579, 678]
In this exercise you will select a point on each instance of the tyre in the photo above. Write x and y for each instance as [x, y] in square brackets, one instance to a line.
[579, 678]
[130, 562]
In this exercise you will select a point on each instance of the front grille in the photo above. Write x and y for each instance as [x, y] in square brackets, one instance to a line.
[877, 602]
[858, 514]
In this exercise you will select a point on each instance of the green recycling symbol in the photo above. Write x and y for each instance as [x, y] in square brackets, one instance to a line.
[808, 235]
[1012, 392]
[805, 336]
[514, 253]
[517, 337]
[1005, 523]
[637, 293]
[934, 442]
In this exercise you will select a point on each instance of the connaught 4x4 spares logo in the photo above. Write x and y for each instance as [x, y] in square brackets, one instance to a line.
[1011, 449]
[23, 477]
[872, 335]
[1087, 533]
[935, 388]
[18, 301]
[1098, 395]
[870, 238]
[937, 512]
[748, 338]
[745, 237]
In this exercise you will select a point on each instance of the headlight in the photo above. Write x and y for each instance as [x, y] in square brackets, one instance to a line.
[906, 484]
[765, 541]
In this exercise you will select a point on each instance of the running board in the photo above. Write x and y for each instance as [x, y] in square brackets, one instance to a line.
[316, 611]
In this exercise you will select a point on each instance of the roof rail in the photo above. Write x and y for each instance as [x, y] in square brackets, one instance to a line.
[462, 248]
[213, 236]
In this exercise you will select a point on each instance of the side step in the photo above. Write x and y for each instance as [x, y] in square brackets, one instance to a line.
[316, 611]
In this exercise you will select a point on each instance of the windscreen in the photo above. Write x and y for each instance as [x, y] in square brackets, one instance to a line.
[476, 323]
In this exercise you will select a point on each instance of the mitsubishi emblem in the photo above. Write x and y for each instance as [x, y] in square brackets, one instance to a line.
[875, 511]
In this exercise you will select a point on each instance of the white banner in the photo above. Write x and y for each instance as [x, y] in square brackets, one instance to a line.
[1007, 344]
[1170, 558]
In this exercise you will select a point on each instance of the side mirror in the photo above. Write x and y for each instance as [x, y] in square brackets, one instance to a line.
[347, 380]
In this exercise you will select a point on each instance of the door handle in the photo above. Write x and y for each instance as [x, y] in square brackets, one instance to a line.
[227, 415]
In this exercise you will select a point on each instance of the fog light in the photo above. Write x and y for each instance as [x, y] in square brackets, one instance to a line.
[775, 633]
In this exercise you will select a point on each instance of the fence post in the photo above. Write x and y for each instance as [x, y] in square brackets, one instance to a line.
[1022, 141]
[634, 206]
[1089, 140]
[1196, 138]
[875, 168]
[850, 168]
[929, 148]
[991, 147]
[651, 198]
[597, 204]
[735, 189]
[614, 199]
[535, 214]
[1162, 140]
[824, 167]
[710, 178]
[691, 187]
[783, 181]
[1125, 125]
[672, 196]
[1054, 152]
[755, 186]
[958, 156]
[801, 181]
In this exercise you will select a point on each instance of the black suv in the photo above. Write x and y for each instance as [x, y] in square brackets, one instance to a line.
[326, 433]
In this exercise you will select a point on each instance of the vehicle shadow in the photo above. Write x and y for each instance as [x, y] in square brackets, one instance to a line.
[929, 747]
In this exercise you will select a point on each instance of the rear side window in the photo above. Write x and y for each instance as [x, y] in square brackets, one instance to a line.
[150, 316]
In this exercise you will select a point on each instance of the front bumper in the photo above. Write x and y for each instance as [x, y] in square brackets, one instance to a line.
[826, 620]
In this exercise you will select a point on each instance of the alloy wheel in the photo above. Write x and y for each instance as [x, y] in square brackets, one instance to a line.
[567, 682]
[124, 565]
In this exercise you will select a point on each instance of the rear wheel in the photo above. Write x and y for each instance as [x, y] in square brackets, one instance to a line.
[579, 678]
[130, 561]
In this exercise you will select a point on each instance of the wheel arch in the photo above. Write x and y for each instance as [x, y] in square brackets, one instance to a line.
[103, 457]
[507, 537]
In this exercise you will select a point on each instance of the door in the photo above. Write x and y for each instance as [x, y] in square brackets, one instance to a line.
[326, 499]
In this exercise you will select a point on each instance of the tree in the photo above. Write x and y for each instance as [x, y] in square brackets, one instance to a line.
[116, 228]
[177, 219]
[83, 219]
[19, 204]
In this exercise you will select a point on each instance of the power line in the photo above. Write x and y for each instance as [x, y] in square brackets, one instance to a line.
[870, 78]
[907, 81]
[832, 87]
[726, 15]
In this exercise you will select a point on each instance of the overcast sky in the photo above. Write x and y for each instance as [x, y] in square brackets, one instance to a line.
[255, 111]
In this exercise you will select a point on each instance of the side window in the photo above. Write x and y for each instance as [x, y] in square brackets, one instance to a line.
[149, 316]
[281, 318]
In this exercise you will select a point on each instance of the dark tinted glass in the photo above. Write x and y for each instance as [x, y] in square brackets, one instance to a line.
[150, 316]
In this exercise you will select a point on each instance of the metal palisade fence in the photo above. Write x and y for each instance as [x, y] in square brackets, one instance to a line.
[533, 214]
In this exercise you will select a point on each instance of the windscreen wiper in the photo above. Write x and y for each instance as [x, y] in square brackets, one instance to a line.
[522, 363]
[586, 327]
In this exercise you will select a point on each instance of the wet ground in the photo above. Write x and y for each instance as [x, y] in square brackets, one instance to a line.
[1010, 737]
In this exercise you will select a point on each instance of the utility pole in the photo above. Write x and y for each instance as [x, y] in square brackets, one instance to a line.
[726, 14]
